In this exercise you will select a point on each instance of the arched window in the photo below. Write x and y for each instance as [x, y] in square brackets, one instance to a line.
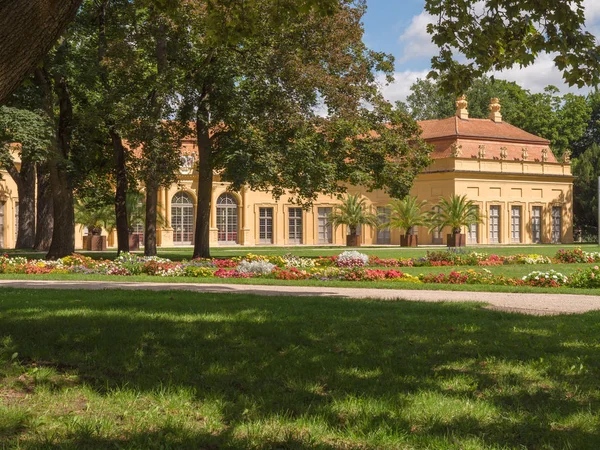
[227, 219]
[182, 218]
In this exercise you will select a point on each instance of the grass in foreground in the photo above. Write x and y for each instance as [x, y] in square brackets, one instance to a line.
[114, 369]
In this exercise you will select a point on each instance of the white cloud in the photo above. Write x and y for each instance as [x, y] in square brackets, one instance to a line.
[537, 76]
[592, 11]
[400, 88]
[417, 42]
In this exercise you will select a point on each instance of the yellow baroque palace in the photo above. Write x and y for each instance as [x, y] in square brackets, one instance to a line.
[524, 193]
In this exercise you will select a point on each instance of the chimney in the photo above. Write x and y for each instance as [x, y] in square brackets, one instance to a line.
[461, 107]
[495, 110]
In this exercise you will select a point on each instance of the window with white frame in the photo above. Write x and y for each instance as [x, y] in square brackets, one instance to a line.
[265, 225]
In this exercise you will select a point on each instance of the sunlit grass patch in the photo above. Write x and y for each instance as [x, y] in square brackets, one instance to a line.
[178, 370]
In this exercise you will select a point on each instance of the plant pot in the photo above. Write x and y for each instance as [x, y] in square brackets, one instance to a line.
[134, 242]
[96, 243]
[352, 240]
[456, 240]
[409, 240]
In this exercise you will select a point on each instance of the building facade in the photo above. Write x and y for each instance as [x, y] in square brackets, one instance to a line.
[525, 195]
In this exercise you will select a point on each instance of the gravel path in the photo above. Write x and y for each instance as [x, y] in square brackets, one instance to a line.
[538, 304]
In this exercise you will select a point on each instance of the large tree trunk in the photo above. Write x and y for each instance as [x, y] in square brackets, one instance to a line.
[204, 194]
[117, 142]
[26, 190]
[28, 29]
[63, 236]
[45, 216]
[120, 193]
[25, 181]
[151, 212]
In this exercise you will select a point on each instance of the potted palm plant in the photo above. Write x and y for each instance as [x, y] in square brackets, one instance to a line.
[353, 213]
[94, 215]
[455, 212]
[406, 214]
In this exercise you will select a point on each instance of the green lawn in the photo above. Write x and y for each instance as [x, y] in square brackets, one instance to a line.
[174, 370]
[179, 253]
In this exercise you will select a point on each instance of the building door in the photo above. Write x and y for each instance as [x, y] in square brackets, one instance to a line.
[536, 224]
[325, 228]
[556, 224]
[227, 219]
[494, 224]
[16, 222]
[295, 226]
[473, 232]
[265, 225]
[2, 205]
[515, 224]
[384, 234]
[182, 218]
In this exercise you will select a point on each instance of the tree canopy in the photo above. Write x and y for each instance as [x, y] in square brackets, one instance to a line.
[496, 34]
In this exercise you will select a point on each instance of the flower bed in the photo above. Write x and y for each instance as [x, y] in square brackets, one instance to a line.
[348, 266]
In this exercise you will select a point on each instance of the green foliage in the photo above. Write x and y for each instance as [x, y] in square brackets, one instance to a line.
[406, 214]
[93, 214]
[353, 213]
[586, 168]
[267, 91]
[454, 212]
[497, 34]
[26, 128]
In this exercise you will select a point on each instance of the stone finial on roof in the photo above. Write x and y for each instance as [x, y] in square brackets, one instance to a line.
[495, 110]
[524, 153]
[456, 150]
[503, 153]
[544, 154]
[461, 107]
[481, 151]
[567, 157]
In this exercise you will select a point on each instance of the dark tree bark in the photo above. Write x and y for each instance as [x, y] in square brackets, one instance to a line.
[25, 181]
[120, 193]
[63, 236]
[151, 213]
[45, 209]
[117, 143]
[28, 29]
[205, 179]
[45, 201]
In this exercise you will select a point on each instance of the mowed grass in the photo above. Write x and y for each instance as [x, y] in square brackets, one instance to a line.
[175, 370]
[180, 253]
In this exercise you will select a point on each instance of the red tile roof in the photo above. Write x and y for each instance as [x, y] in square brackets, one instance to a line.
[477, 128]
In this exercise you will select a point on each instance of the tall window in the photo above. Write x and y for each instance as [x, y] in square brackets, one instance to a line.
[265, 225]
[295, 225]
[16, 221]
[384, 234]
[556, 224]
[436, 234]
[2, 205]
[473, 232]
[536, 224]
[515, 224]
[325, 228]
[227, 219]
[494, 224]
[138, 230]
[182, 218]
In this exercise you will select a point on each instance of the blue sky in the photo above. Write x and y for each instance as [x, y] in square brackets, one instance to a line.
[398, 27]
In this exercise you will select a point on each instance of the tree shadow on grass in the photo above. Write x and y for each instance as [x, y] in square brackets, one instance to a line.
[377, 371]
